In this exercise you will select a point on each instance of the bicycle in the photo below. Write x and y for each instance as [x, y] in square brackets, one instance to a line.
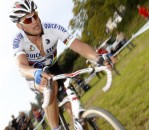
[90, 119]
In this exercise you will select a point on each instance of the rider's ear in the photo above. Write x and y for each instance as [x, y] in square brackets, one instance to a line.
[19, 26]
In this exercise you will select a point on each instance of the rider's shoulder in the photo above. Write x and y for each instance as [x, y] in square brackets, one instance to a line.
[18, 40]
[18, 37]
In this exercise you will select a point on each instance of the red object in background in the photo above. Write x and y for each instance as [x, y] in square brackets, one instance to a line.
[143, 12]
[102, 51]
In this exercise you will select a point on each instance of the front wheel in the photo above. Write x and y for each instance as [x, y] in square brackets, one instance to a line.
[100, 119]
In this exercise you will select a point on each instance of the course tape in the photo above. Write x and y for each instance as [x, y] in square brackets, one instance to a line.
[39, 123]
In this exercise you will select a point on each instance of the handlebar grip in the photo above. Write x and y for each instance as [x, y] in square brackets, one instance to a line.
[46, 95]
[109, 77]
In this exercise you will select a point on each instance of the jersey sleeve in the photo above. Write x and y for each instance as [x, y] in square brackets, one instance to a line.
[61, 33]
[17, 46]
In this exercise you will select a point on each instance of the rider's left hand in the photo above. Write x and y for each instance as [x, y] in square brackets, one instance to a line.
[108, 64]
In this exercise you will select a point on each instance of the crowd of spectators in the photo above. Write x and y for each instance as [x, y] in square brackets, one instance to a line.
[24, 122]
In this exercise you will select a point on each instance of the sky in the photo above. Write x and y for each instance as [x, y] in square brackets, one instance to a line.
[15, 94]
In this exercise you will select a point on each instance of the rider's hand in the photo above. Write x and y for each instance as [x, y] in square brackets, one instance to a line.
[41, 78]
[38, 76]
[106, 61]
[108, 64]
[44, 81]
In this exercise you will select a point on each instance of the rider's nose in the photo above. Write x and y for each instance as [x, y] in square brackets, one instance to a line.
[34, 20]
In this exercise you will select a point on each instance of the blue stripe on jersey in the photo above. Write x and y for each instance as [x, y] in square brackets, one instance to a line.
[54, 26]
[17, 40]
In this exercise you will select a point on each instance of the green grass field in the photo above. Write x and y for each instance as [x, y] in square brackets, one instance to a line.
[128, 98]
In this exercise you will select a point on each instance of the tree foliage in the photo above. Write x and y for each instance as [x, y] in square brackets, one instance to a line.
[66, 61]
[90, 17]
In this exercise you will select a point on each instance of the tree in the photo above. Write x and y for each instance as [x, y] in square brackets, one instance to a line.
[67, 59]
[90, 17]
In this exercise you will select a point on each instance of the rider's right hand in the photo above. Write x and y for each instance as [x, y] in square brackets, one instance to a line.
[41, 78]
[38, 76]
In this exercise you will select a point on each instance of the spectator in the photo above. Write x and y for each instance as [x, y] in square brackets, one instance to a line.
[21, 121]
[143, 11]
[120, 37]
[14, 123]
[30, 125]
[121, 40]
[24, 122]
[38, 116]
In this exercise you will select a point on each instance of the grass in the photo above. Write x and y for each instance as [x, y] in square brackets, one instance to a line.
[128, 98]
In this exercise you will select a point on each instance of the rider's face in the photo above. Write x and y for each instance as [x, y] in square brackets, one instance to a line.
[31, 23]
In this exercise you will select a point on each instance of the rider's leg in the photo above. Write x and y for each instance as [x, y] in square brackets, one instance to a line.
[52, 110]
[61, 95]
[68, 109]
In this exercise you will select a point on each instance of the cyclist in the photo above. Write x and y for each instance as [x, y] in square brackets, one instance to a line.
[35, 46]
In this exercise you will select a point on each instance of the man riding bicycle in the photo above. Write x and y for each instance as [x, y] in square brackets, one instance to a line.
[36, 47]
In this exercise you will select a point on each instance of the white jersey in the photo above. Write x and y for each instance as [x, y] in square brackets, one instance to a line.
[51, 34]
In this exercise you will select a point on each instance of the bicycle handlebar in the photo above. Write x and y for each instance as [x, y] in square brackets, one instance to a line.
[82, 71]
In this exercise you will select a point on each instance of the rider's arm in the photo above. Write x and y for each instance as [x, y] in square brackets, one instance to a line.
[23, 66]
[84, 50]
[76, 45]
[27, 71]
[88, 52]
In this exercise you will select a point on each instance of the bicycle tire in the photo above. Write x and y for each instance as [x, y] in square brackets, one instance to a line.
[110, 122]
